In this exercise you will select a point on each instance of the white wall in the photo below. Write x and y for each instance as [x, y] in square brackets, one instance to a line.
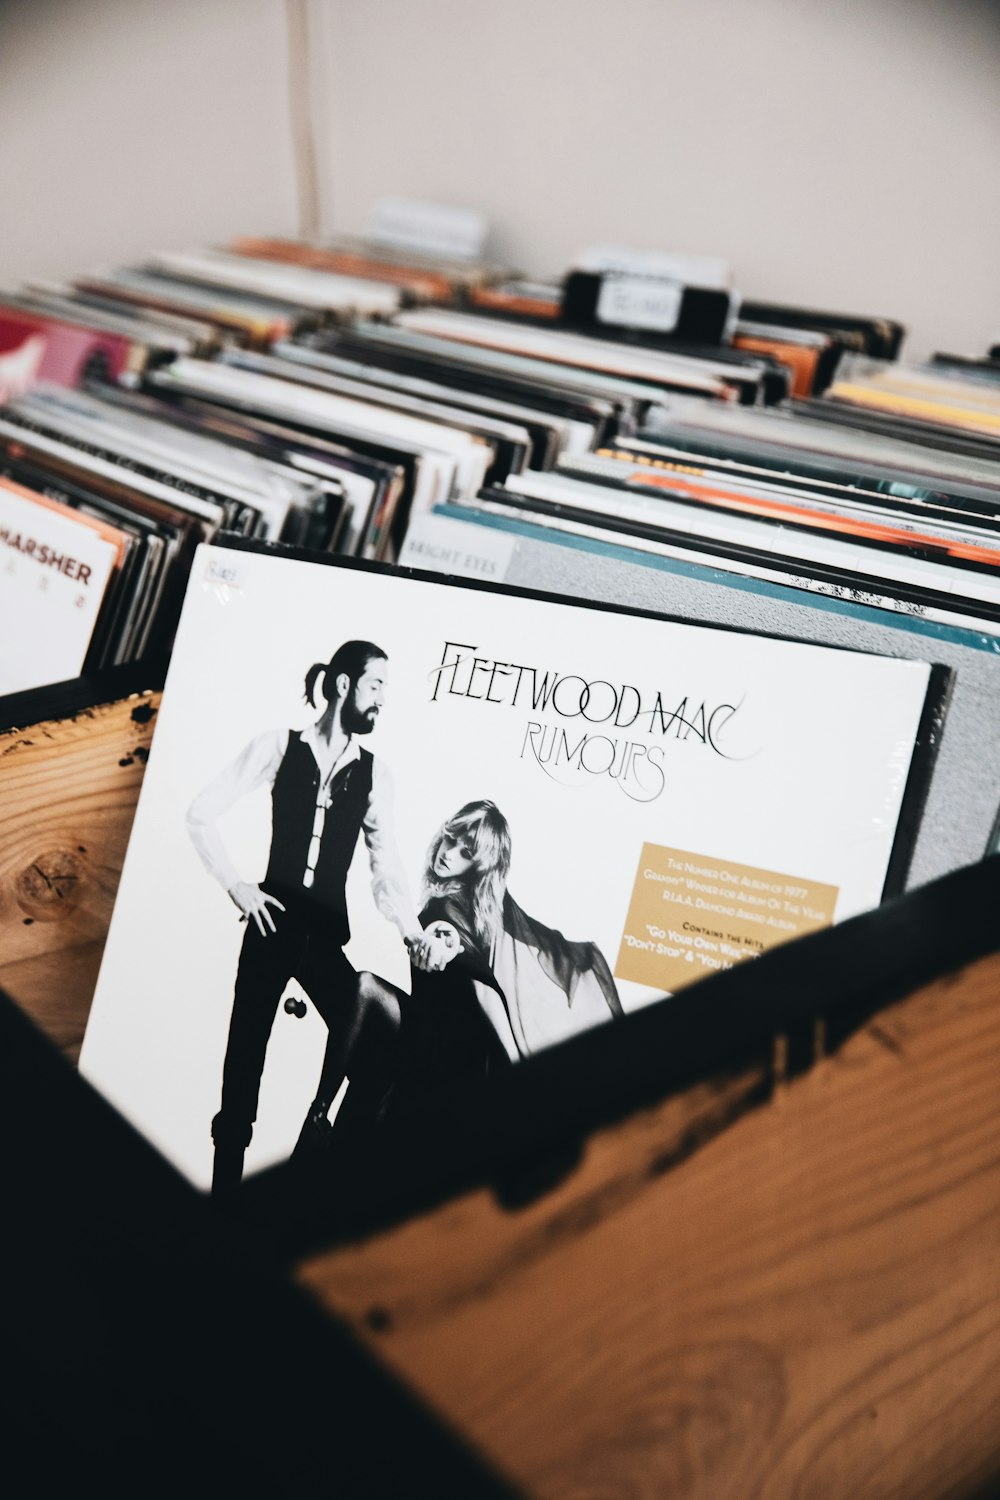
[129, 125]
[841, 152]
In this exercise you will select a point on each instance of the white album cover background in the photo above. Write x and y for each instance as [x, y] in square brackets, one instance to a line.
[642, 766]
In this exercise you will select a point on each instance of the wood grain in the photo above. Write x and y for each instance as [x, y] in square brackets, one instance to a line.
[68, 790]
[751, 1291]
[806, 1304]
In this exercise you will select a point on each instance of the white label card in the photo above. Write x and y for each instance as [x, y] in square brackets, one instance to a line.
[640, 302]
[440, 545]
[430, 228]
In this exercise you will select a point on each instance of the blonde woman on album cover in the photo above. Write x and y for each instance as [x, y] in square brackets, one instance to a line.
[510, 985]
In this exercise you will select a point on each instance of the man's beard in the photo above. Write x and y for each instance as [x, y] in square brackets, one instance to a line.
[352, 719]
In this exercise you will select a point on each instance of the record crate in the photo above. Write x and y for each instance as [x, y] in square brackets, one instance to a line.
[744, 1244]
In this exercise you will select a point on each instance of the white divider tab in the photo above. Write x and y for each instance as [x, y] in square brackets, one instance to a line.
[429, 228]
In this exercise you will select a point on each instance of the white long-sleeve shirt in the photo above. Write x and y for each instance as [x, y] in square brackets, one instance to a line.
[257, 765]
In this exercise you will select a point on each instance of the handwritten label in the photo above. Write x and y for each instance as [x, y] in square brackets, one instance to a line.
[640, 302]
[224, 578]
[429, 228]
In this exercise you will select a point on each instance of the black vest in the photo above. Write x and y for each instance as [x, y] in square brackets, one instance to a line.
[293, 804]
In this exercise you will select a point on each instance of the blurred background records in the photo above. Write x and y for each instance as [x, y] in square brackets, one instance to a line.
[161, 491]
[297, 286]
[44, 338]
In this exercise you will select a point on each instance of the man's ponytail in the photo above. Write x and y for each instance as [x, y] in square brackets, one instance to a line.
[315, 672]
[351, 659]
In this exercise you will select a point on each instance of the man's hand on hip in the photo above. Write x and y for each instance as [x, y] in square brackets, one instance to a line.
[254, 903]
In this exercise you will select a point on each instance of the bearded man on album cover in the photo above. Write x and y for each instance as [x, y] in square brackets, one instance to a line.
[326, 791]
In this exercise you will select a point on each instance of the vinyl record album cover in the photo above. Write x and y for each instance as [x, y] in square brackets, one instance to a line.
[34, 347]
[55, 570]
[395, 829]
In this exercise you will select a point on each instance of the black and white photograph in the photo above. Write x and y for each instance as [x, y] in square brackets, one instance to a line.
[395, 831]
[496, 972]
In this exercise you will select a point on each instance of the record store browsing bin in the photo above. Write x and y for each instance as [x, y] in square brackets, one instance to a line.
[741, 1243]
[715, 698]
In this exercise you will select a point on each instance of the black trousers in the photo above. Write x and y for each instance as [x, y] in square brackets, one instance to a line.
[300, 950]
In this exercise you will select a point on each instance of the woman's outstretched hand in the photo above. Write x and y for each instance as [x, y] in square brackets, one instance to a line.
[253, 903]
[445, 944]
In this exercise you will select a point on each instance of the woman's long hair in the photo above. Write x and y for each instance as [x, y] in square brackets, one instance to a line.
[483, 827]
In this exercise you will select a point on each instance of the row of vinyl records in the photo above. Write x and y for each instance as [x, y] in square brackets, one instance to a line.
[319, 396]
[708, 604]
[389, 407]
